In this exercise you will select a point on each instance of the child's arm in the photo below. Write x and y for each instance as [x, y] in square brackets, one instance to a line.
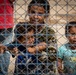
[13, 50]
[60, 68]
[39, 47]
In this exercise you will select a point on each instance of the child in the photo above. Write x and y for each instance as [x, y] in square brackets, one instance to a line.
[24, 38]
[67, 52]
[45, 41]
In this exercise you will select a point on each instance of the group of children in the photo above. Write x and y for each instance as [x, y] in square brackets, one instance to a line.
[34, 56]
[35, 45]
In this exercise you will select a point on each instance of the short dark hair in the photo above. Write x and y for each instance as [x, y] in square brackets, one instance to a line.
[43, 3]
[68, 26]
[22, 28]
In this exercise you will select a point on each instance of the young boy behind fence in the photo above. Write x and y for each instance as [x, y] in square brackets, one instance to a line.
[67, 52]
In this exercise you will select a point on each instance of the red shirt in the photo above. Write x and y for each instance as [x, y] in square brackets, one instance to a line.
[6, 14]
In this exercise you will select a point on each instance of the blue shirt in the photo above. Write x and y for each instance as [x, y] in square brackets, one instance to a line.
[69, 58]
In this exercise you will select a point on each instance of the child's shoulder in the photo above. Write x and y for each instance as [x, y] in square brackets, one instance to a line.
[21, 24]
[48, 29]
[63, 47]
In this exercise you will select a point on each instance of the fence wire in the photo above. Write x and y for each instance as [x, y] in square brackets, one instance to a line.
[42, 62]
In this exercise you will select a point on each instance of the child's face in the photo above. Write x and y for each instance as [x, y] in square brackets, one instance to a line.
[36, 14]
[72, 35]
[27, 39]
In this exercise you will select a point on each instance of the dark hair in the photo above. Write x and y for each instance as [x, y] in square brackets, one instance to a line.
[68, 26]
[43, 3]
[22, 28]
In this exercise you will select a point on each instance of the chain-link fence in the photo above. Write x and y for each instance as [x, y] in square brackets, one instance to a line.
[38, 33]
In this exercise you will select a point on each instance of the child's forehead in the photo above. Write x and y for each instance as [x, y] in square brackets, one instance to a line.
[31, 32]
[72, 29]
[68, 26]
[36, 7]
[71, 26]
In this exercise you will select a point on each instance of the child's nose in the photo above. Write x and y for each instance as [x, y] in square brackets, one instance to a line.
[36, 16]
[31, 40]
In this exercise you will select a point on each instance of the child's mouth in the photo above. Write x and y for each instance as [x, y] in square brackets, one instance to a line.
[74, 42]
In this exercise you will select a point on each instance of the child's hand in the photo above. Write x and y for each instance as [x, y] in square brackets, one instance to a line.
[39, 47]
[2, 49]
[31, 50]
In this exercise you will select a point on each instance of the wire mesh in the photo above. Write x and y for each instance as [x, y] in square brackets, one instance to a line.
[53, 33]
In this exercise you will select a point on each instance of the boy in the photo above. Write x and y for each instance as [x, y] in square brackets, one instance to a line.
[45, 40]
[24, 38]
[67, 52]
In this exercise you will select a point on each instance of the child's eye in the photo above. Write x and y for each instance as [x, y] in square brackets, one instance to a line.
[32, 36]
[32, 12]
[72, 34]
[41, 14]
